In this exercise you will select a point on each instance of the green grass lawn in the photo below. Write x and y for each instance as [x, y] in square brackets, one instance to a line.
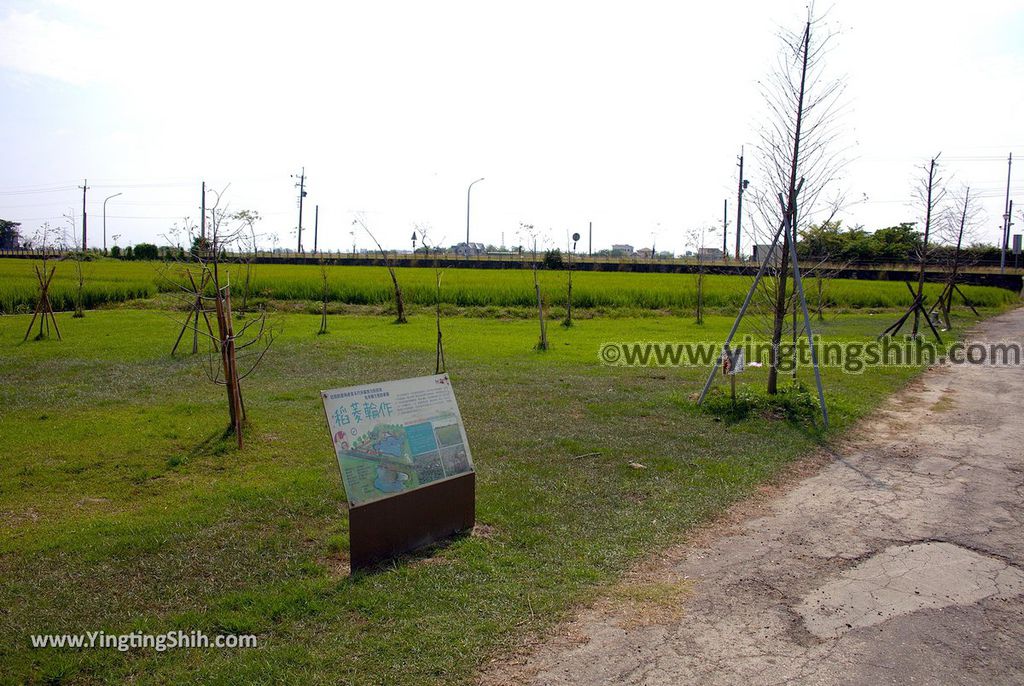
[123, 507]
[108, 281]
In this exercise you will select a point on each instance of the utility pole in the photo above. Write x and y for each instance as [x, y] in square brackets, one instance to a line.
[301, 185]
[202, 214]
[590, 238]
[725, 229]
[1006, 218]
[316, 227]
[1009, 229]
[85, 219]
[739, 204]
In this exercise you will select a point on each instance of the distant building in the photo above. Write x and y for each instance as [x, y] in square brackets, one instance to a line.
[622, 249]
[644, 253]
[709, 253]
[761, 252]
[469, 249]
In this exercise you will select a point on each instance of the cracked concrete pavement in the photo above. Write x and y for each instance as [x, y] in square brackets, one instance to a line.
[900, 561]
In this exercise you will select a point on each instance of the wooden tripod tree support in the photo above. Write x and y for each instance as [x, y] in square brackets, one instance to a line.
[198, 309]
[44, 310]
[916, 306]
[230, 362]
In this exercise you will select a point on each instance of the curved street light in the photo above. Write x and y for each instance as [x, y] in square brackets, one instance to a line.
[105, 220]
[468, 191]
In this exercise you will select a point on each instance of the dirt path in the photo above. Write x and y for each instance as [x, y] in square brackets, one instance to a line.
[901, 561]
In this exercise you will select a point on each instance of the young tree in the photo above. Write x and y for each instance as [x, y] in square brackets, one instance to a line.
[44, 275]
[247, 247]
[958, 223]
[796, 156]
[399, 301]
[79, 258]
[325, 292]
[930, 194]
[67, 245]
[567, 322]
[697, 239]
[234, 355]
[440, 365]
[528, 235]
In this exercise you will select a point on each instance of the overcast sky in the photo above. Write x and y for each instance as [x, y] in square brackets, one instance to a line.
[627, 115]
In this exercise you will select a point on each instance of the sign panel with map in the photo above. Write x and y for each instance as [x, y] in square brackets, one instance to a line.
[396, 436]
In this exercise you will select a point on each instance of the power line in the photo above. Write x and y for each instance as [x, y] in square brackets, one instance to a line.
[142, 185]
[110, 216]
[62, 189]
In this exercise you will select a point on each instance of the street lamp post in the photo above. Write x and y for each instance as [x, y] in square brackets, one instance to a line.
[105, 220]
[468, 192]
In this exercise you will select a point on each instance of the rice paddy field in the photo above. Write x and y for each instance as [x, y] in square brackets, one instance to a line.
[111, 281]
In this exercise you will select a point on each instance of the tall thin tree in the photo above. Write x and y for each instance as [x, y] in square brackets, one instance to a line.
[931, 193]
[798, 156]
[389, 263]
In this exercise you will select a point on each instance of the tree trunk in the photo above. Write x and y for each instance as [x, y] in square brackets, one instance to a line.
[80, 300]
[821, 301]
[781, 300]
[568, 304]
[323, 300]
[956, 260]
[700, 296]
[439, 364]
[779, 320]
[227, 354]
[399, 301]
[542, 344]
[924, 246]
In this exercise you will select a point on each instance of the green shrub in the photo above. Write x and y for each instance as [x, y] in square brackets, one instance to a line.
[146, 251]
[553, 259]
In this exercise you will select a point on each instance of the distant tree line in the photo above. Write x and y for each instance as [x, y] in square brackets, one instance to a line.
[900, 243]
[10, 237]
[829, 240]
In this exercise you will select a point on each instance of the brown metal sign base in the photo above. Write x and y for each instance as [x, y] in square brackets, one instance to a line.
[401, 523]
